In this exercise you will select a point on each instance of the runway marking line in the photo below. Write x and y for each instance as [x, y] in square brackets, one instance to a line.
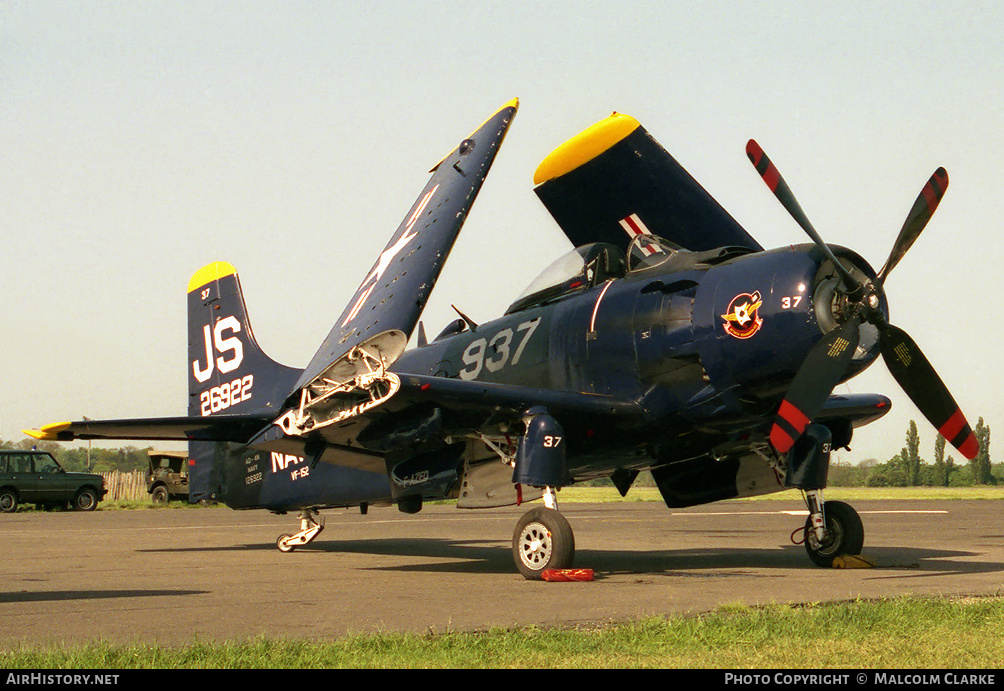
[801, 512]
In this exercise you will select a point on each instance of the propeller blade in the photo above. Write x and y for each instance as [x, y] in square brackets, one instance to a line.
[822, 369]
[917, 219]
[768, 171]
[922, 384]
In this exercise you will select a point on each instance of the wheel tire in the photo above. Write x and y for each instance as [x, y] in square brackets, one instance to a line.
[86, 500]
[159, 495]
[847, 534]
[282, 542]
[8, 501]
[542, 540]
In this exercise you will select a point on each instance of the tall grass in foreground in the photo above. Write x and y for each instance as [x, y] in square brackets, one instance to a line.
[914, 633]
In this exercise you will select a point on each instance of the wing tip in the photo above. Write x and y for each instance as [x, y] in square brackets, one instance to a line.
[511, 103]
[585, 146]
[48, 432]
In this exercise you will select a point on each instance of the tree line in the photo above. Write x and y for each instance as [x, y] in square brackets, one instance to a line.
[908, 468]
[88, 460]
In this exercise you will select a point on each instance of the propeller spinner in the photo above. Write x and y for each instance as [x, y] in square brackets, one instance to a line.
[827, 361]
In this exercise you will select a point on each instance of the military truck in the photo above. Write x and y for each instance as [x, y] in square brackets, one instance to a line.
[168, 477]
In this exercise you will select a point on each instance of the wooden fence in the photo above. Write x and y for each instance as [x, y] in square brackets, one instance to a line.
[125, 486]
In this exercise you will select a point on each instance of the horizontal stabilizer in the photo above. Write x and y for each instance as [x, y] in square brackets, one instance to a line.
[235, 428]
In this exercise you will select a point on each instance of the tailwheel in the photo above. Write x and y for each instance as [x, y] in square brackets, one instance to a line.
[542, 540]
[311, 524]
[844, 534]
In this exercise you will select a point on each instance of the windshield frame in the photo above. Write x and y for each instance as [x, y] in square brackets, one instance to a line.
[648, 251]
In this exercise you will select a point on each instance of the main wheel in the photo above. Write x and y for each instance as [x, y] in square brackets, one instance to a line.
[542, 540]
[159, 495]
[846, 534]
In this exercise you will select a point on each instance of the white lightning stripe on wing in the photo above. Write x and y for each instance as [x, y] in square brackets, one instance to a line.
[387, 256]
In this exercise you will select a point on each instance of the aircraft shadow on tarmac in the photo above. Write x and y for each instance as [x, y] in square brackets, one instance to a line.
[69, 595]
[494, 556]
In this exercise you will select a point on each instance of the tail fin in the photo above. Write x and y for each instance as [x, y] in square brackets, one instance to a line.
[228, 373]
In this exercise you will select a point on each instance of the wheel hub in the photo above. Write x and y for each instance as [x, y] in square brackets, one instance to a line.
[535, 545]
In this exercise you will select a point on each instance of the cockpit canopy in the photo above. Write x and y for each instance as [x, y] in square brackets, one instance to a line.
[648, 251]
[582, 268]
[593, 264]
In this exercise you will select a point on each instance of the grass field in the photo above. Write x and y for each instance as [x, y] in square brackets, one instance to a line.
[604, 494]
[905, 633]
[578, 494]
[609, 494]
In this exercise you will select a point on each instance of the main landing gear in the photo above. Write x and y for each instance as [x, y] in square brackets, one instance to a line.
[542, 540]
[832, 529]
[311, 524]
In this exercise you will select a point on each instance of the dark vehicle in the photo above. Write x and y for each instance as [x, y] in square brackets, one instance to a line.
[168, 478]
[34, 477]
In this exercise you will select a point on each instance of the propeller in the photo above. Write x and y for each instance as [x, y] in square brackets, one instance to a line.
[828, 359]
[917, 219]
[813, 383]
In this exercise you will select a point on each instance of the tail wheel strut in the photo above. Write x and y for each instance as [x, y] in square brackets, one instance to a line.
[311, 524]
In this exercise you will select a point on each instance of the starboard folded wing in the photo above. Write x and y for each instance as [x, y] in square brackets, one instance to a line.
[614, 181]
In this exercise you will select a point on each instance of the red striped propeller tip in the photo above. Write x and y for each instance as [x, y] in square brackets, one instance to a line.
[754, 151]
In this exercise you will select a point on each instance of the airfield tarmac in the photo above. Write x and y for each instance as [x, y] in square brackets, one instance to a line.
[212, 574]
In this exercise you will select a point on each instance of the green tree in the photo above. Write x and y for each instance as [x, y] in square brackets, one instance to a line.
[940, 468]
[981, 465]
[911, 454]
[950, 470]
[892, 473]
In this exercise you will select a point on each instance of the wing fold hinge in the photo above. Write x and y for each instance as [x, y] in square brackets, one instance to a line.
[356, 383]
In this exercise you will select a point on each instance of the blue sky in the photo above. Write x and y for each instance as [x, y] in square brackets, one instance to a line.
[143, 140]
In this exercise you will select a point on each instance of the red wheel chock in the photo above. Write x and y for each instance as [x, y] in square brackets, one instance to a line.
[565, 575]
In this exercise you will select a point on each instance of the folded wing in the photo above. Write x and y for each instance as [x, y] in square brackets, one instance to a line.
[380, 317]
[614, 181]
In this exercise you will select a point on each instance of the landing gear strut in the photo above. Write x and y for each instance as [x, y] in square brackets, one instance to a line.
[311, 524]
[834, 531]
[833, 528]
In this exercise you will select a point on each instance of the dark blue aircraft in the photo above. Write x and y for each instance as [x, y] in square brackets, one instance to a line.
[668, 340]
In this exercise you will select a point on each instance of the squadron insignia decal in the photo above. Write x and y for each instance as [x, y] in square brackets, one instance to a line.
[742, 319]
